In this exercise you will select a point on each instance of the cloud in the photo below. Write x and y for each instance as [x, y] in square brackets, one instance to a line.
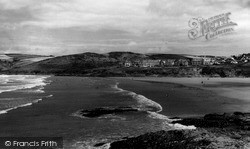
[15, 4]
[132, 43]
[91, 14]
[244, 3]
[68, 26]
[178, 8]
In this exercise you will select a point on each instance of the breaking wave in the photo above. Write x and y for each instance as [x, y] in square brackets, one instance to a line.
[19, 82]
[22, 105]
[146, 104]
[21, 90]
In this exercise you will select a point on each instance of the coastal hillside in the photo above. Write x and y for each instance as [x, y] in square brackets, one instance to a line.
[77, 63]
[10, 61]
[126, 64]
[85, 63]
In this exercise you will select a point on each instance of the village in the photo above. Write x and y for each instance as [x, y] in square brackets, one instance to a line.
[118, 60]
[189, 61]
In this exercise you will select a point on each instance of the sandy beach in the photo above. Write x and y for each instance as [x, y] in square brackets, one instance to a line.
[230, 87]
[231, 92]
[187, 97]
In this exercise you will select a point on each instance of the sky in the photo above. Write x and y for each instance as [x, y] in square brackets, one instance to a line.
[60, 27]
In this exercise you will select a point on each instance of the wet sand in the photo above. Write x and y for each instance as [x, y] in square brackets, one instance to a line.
[230, 87]
[187, 97]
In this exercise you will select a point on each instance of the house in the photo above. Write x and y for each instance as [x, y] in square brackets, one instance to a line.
[162, 63]
[197, 61]
[208, 60]
[170, 62]
[182, 62]
[150, 63]
[136, 63]
[127, 64]
[231, 60]
[245, 58]
[219, 60]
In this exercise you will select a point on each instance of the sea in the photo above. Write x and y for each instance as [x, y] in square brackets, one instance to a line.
[23, 90]
[56, 104]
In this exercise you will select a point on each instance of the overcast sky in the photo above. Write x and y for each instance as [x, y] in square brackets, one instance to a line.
[148, 26]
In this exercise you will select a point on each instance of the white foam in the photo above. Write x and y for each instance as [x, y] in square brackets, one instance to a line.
[180, 126]
[32, 90]
[117, 88]
[156, 115]
[105, 146]
[49, 96]
[23, 105]
[77, 114]
[142, 100]
[90, 145]
[7, 110]
[18, 82]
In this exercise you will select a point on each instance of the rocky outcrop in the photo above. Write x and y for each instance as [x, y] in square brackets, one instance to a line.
[162, 140]
[215, 131]
[103, 111]
[237, 120]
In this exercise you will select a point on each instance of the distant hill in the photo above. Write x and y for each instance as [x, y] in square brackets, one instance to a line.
[110, 64]
[77, 63]
[18, 56]
[9, 61]
[123, 56]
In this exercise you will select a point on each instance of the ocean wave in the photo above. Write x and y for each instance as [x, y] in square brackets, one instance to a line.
[178, 126]
[20, 82]
[156, 115]
[91, 144]
[13, 108]
[36, 89]
[168, 121]
[145, 103]
[48, 96]
[23, 105]
[117, 88]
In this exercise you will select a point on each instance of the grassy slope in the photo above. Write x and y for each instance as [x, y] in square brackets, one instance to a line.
[92, 64]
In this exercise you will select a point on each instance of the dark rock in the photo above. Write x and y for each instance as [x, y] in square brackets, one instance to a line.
[235, 120]
[162, 139]
[106, 110]
[229, 130]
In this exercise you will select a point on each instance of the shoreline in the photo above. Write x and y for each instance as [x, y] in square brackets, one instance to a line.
[172, 93]
[59, 108]
[45, 81]
[217, 135]
[214, 131]
[232, 88]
